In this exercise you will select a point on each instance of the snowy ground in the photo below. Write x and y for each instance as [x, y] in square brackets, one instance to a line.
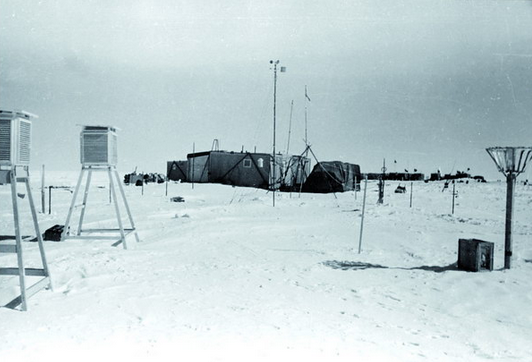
[224, 276]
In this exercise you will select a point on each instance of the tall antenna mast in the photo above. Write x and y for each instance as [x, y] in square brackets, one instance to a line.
[306, 116]
[282, 69]
[290, 126]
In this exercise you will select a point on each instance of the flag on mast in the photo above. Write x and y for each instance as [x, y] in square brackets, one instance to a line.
[306, 95]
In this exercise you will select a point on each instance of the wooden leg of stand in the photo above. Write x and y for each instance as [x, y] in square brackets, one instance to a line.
[117, 209]
[84, 205]
[38, 232]
[126, 205]
[72, 205]
[20, 257]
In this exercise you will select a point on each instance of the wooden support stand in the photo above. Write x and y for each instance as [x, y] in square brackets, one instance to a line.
[13, 245]
[111, 234]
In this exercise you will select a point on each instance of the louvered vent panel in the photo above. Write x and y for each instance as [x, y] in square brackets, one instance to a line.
[5, 140]
[113, 156]
[95, 148]
[24, 143]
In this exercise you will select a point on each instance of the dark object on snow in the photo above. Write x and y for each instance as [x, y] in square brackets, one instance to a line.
[475, 255]
[400, 190]
[333, 176]
[177, 199]
[53, 233]
[139, 183]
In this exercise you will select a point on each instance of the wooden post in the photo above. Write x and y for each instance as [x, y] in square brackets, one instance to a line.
[411, 192]
[363, 212]
[193, 158]
[510, 182]
[43, 196]
[166, 192]
[355, 187]
[454, 185]
[50, 199]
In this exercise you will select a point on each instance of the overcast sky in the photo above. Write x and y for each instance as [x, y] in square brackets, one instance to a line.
[429, 84]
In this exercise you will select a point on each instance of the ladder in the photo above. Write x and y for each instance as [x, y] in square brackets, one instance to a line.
[14, 245]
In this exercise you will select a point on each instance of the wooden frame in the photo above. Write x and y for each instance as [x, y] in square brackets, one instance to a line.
[17, 247]
[90, 233]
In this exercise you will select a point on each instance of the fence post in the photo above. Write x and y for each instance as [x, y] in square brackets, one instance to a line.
[362, 218]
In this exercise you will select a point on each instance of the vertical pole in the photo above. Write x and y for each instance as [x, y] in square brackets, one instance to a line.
[510, 183]
[411, 192]
[454, 187]
[355, 187]
[50, 199]
[193, 158]
[363, 212]
[43, 196]
[20, 258]
[382, 182]
[290, 127]
[166, 192]
[274, 125]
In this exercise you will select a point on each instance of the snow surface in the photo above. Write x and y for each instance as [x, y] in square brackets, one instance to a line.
[224, 276]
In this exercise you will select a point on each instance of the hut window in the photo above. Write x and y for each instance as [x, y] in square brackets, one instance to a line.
[247, 163]
[260, 162]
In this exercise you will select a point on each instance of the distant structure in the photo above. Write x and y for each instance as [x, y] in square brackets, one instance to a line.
[249, 169]
[397, 176]
[15, 149]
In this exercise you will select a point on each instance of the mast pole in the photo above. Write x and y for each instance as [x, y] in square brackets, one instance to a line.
[290, 126]
[274, 125]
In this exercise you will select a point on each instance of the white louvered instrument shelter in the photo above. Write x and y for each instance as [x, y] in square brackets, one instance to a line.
[99, 146]
[15, 138]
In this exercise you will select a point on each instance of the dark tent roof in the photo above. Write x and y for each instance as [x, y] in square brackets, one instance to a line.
[332, 176]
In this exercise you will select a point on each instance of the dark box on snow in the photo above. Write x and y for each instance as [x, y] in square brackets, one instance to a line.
[475, 255]
[54, 233]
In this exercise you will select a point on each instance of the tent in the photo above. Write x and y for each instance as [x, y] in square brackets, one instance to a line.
[333, 176]
[176, 170]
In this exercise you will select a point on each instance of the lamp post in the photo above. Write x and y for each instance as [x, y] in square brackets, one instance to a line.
[510, 161]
